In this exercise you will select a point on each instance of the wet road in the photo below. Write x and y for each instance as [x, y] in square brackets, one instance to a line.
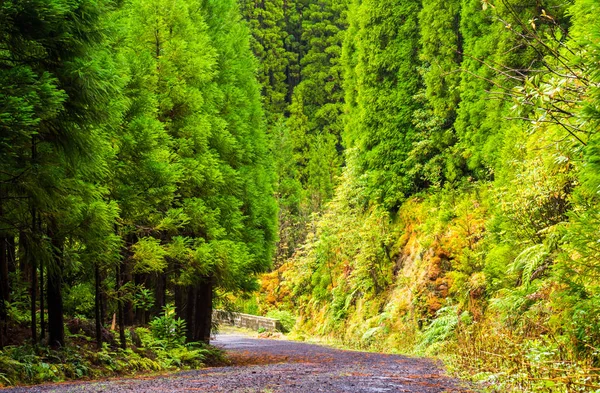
[277, 366]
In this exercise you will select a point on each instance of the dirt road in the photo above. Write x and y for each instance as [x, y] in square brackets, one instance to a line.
[276, 366]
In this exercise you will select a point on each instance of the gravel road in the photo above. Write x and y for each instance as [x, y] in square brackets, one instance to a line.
[277, 366]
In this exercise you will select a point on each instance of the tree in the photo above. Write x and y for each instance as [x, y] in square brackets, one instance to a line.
[211, 225]
[386, 77]
[61, 143]
[316, 111]
[267, 24]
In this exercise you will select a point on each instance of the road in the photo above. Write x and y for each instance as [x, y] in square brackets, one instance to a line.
[278, 366]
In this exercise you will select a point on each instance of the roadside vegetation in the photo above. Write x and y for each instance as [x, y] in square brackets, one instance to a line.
[161, 347]
[464, 223]
[135, 174]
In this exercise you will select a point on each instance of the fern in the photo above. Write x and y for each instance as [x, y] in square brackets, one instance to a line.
[441, 329]
[529, 261]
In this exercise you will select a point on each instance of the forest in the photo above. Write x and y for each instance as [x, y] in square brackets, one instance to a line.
[406, 176]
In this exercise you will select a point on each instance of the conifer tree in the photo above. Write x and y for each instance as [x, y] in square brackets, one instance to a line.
[316, 110]
[495, 51]
[244, 201]
[441, 43]
[198, 104]
[172, 65]
[146, 169]
[386, 78]
[433, 158]
[269, 37]
[65, 113]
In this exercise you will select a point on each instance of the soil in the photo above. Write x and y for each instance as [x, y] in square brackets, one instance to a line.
[279, 366]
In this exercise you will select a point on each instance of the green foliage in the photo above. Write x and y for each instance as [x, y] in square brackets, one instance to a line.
[134, 162]
[143, 299]
[440, 39]
[79, 301]
[31, 365]
[168, 330]
[384, 70]
[434, 165]
[287, 319]
[26, 364]
[441, 330]
[148, 256]
[269, 39]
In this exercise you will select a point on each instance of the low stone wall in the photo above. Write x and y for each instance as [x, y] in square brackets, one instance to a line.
[246, 321]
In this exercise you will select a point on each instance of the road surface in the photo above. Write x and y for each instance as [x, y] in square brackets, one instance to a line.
[278, 366]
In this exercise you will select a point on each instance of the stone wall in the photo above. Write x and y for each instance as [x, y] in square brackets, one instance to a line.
[252, 322]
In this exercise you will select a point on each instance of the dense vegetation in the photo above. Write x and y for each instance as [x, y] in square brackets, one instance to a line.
[464, 222]
[134, 173]
[434, 166]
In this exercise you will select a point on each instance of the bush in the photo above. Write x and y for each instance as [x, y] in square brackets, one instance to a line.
[285, 317]
[79, 300]
[168, 330]
[162, 347]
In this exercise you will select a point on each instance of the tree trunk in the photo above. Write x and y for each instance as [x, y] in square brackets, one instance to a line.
[33, 296]
[120, 308]
[4, 290]
[203, 312]
[12, 268]
[31, 257]
[140, 313]
[179, 302]
[33, 277]
[11, 250]
[97, 307]
[42, 313]
[56, 330]
[196, 310]
[129, 312]
[103, 303]
[160, 293]
[180, 306]
[190, 313]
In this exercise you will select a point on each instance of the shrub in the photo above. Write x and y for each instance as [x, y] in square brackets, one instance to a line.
[168, 330]
[286, 319]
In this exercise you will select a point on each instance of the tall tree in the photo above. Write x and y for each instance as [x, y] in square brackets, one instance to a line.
[210, 227]
[386, 77]
[67, 90]
[271, 43]
[316, 111]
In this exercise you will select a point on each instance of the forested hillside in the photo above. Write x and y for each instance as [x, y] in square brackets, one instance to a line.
[410, 176]
[460, 216]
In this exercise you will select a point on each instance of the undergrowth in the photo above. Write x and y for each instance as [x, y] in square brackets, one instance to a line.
[499, 295]
[161, 347]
